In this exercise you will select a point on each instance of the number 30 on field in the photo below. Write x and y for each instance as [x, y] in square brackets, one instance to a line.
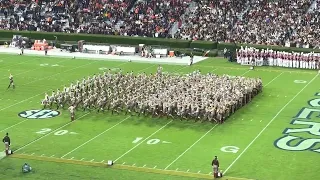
[47, 130]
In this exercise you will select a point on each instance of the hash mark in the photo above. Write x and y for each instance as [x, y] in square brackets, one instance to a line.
[81, 159]
[177, 169]
[257, 105]
[42, 154]
[144, 165]
[102, 161]
[52, 156]
[72, 158]
[92, 160]
[199, 172]
[251, 120]
[32, 154]
[123, 163]
[210, 173]
[260, 120]
[134, 164]
[154, 167]
[188, 170]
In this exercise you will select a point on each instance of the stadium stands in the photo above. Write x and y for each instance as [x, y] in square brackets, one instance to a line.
[211, 21]
[270, 22]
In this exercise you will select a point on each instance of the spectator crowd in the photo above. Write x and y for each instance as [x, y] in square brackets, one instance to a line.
[270, 22]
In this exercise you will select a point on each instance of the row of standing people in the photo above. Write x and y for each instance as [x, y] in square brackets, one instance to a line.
[268, 57]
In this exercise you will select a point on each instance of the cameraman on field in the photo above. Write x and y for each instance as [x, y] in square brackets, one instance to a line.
[6, 141]
[215, 165]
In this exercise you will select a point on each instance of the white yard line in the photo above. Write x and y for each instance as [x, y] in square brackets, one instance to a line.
[269, 124]
[115, 124]
[6, 67]
[190, 147]
[14, 125]
[32, 69]
[49, 133]
[94, 137]
[58, 73]
[245, 73]
[143, 141]
[21, 101]
[273, 79]
[39, 95]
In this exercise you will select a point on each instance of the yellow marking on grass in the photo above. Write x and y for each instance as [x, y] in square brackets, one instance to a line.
[122, 167]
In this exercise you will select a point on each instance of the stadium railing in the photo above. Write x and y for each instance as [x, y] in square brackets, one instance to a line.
[127, 40]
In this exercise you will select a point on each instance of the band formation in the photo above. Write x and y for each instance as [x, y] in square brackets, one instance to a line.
[195, 96]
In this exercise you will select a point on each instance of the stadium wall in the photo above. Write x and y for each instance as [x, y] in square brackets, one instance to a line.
[127, 40]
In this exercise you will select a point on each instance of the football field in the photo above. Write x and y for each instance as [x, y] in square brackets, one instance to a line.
[274, 137]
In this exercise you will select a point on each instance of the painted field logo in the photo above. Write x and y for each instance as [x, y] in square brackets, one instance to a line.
[39, 114]
[295, 139]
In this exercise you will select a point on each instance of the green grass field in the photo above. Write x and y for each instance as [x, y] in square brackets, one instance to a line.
[152, 148]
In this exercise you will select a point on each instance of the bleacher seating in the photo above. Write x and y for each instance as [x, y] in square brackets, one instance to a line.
[272, 22]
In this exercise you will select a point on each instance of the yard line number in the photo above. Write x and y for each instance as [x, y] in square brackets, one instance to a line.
[58, 133]
[150, 141]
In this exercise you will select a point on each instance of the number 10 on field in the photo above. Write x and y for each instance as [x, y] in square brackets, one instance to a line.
[150, 141]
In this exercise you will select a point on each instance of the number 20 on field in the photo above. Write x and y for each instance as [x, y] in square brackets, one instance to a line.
[57, 133]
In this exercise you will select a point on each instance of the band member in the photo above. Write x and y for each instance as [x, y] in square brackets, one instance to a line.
[11, 81]
[215, 165]
[6, 141]
[72, 109]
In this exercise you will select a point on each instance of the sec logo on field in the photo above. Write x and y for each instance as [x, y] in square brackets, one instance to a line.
[39, 114]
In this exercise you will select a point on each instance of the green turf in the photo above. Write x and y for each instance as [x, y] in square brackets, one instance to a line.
[184, 146]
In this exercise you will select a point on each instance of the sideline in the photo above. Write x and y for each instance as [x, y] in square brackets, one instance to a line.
[122, 167]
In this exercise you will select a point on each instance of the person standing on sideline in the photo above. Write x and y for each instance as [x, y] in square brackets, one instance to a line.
[191, 59]
[46, 50]
[215, 165]
[225, 53]
[6, 141]
[22, 49]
